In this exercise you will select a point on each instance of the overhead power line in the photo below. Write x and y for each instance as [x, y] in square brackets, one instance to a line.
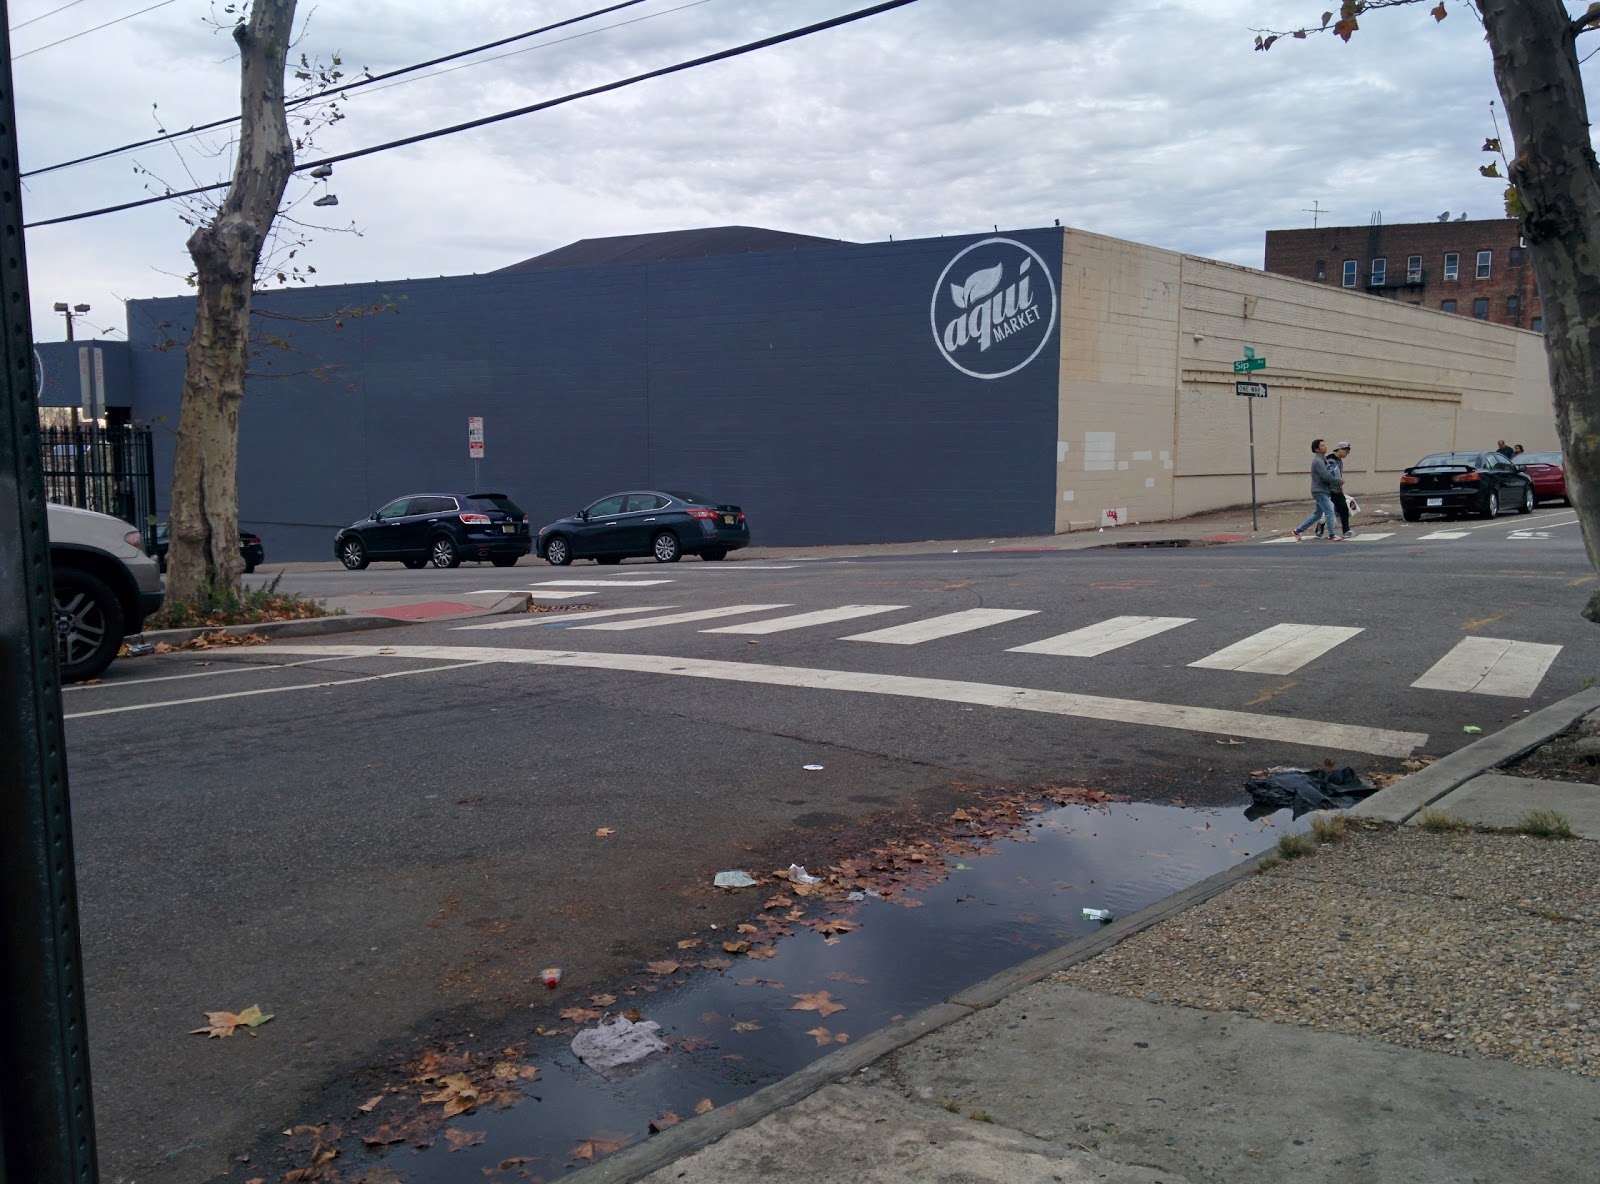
[17, 57]
[336, 90]
[33, 20]
[420, 137]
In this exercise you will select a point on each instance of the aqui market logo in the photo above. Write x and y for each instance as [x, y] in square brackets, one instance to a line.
[993, 308]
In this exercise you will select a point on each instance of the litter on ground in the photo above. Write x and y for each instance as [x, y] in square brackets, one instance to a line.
[616, 1042]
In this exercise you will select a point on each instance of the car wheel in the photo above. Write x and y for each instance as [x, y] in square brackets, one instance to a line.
[608, 560]
[714, 553]
[1411, 515]
[249, 567]
[557, 551]
[353, 555]
[1491, 507]
[665, 547]
[415, 564]
[442, 551]
[503, 560]
[1527, 501]
[88, 620]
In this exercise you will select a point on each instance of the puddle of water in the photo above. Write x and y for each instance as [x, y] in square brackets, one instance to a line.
[992, 912]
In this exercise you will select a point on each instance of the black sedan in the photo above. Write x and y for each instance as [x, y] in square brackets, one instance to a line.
[437, 528]
[1456, 483]
[250, 548]
[645, 522]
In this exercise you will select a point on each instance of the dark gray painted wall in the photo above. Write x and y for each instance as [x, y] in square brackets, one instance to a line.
[60, 384]
[805, 386]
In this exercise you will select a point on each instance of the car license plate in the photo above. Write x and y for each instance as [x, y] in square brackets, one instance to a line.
[509, 528]
[1436, 501]
[728, 518]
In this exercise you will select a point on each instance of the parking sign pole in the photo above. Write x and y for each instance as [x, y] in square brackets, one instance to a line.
[1251, 391]
[1255, 525]
[46, 1116]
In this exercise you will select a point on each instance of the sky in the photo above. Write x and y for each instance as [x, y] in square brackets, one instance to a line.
[1150, 120]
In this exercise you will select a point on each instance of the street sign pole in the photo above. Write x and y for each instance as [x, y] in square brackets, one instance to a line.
[46, 1111]
[1255, 525]
[1252, 391]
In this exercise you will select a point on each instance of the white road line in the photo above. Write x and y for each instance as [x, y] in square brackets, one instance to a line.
[704, 614]
[1315, 733]
[1282, 649]
[535, 594]
[848, 612]
[139, 682]
[1444, 534]
[1364, 537]
[944, 626]
[308, 686]
[561, 618]
[614, 582]
[1094, 640]
[1288, 538]
[1491, 666]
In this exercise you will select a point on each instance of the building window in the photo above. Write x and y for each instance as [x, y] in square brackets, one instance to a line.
[1480, 308]
[1349, 273]
[1538, 324]
[1380, 272]
[1413, 269]
[1448, 306]
[1513, 306]
[1484, 258]
[1322, 269]
[1452, 266]
[1514, 256]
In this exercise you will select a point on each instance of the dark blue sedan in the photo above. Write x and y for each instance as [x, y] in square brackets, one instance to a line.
[653, 523]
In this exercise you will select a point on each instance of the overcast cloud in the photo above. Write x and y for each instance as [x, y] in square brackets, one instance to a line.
[1147, 120]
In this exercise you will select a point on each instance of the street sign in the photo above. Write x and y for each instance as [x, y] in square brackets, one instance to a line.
[475, 437]
[1245, 364]
[1256, 390]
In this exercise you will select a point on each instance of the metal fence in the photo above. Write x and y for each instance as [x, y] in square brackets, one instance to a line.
[111, 470]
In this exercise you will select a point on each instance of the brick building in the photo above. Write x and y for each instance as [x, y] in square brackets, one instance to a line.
[1479, 269]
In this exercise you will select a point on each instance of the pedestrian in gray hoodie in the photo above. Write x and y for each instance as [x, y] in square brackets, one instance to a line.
[1322, 487]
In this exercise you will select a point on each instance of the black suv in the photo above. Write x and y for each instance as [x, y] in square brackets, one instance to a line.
[438, 528]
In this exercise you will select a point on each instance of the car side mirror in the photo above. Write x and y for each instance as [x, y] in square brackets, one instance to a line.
[583, 514]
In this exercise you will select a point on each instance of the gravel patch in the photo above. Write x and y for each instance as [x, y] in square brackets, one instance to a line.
[1467, 943]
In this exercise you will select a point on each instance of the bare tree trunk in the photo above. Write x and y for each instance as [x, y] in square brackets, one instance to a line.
[204, 548]
[1534, 43]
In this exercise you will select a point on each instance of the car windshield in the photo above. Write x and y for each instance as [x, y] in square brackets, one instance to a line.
[1539, 458]
[1439, 459]
[494, 501]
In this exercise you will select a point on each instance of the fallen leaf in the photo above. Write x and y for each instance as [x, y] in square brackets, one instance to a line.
[667, 967]
[603, 831]
[736, 947]
[704, 1106]
[762, 953]
[820, 1002]
[717, 963]
[758, 982]
[383, 1136]
[662, 1123]
[368, 1106]
[688, 943]
[746, 927]
[507, 1071]
[590, 1148]
[506, 1165]
[907, 902]
[746, 1026]
[456, 1093]
[777, 902]
[693, 1043]
[223, 1023]
[834, 925]
[602, 1000]
[582, 1015]
[460, 1140]
[823, 1036]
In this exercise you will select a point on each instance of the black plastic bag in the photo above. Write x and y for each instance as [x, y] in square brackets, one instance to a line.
[1300, 790]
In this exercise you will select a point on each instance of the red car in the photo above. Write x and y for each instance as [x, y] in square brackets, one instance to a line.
[1548, 473]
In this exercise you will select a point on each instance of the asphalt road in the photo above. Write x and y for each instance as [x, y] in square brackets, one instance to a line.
[382, 838]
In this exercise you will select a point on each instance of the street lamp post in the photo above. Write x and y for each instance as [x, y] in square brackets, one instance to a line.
[67, 312]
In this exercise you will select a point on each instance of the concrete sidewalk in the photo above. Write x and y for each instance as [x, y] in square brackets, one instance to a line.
[1405, 1004]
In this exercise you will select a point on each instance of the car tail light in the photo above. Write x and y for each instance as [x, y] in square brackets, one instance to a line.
[1464, 478]
[475, 519]
[709, 515]
[524, 519]
[1408, 479]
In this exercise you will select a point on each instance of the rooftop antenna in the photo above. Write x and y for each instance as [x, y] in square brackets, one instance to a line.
[1444, 217]
[1377, 218]
[1463, 217]
[1316, 211]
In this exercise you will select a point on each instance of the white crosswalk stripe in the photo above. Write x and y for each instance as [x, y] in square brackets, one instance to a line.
[1444, 534]
[615, 582]
[1282, 649]
[947, 625]
[1364, 537]
[523, 622]
[847, 612]
[1491, 666]
[1093, 640]
[704, 614]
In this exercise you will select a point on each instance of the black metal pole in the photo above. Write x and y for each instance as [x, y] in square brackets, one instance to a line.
[1255, 525]
[46, 1115]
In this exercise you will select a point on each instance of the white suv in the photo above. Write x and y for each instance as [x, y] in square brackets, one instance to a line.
[104, 586]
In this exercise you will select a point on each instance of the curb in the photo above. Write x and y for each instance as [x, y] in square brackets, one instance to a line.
[1412, 794]
[516, 602]
[659, 1150]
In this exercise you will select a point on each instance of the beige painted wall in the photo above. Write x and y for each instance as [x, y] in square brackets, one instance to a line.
[1150, 427]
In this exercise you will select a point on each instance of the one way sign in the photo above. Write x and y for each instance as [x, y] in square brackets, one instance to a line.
[1256, 390]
